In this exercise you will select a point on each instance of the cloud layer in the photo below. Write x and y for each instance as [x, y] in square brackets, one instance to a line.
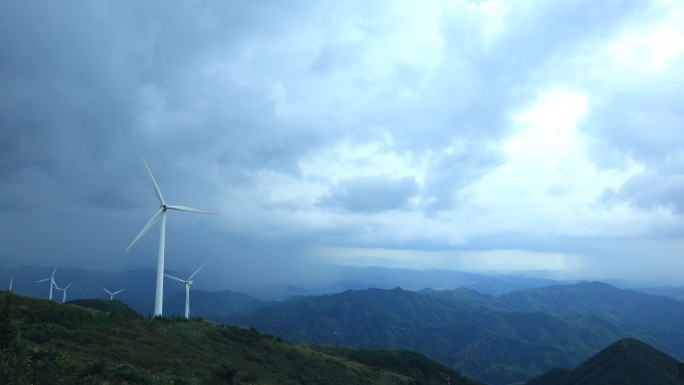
[515, 132]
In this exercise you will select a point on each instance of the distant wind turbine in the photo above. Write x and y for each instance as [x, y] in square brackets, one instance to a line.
[111, 295]
[161, 213]
[187, 284]
[52, 281]
[63, 291]
[10, 286]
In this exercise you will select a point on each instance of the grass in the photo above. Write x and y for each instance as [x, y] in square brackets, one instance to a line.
[71, 344]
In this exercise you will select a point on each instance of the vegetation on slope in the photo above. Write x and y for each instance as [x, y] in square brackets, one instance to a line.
[48, 343]
[497, 347]
[406, 363]
[655, 319]
[626, 362]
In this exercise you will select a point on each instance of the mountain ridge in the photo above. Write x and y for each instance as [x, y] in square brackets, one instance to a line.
[488, 345]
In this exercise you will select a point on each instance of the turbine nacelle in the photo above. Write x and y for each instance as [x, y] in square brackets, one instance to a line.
[111, 295]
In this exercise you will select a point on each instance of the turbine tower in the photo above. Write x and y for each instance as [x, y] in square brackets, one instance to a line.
[160, 214]
[187, 284]
[111, 295]
[52, 281]
[10, 286]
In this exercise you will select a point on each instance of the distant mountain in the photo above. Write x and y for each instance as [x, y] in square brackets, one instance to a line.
[656, 319]
[626, 362]
[675, 292]
[138, 294]
[211, 304]
[139, 284]
[466, 296]
[627, 308]
[497, 347]
[44, 342]
[339, 278]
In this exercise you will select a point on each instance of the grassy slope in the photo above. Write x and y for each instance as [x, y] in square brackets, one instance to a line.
[71, 344]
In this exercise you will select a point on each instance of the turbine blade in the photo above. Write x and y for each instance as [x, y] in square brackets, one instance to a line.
[190, 209]
[67, 286]
[147, 227]
[154, 183]
[43, 280]
[174, 278]
[108, 292]
[117, 292]
[53, 271]
[196, 271]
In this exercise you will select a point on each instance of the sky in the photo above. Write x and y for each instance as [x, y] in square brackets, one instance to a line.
[491, 136]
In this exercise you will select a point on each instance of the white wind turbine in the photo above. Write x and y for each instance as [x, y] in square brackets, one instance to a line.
[187, 284]
[161, 213]
[111, 295]
[52, 281]
[63, 291]
[10, 286]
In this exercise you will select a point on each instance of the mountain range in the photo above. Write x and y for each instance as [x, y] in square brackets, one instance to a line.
[140, 283]
[498, 338]
[100, 341]
[497, 347]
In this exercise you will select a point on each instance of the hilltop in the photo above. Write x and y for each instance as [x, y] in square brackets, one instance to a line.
[626, 362]
[46, 343]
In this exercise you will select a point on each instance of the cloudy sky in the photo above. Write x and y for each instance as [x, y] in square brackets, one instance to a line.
[469, 135]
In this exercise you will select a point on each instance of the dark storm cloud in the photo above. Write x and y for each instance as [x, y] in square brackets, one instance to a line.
[371, 194]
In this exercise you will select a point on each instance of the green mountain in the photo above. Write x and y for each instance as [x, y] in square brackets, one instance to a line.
[626, 308]
[43, 342]
[497, 347]
[656, 319]
[626, 362]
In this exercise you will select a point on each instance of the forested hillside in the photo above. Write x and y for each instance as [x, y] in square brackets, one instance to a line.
[44, 342]
[494, 346]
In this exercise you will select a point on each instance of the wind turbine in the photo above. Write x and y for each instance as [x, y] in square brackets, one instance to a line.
[160, 214]
[187, 284]
[10, 286]
[63, 291]
[111, 295]
[52, 281]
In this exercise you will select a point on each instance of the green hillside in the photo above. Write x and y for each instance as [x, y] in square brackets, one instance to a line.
[655, 319]
[44, 342]
[626, 362]
[497, 347]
